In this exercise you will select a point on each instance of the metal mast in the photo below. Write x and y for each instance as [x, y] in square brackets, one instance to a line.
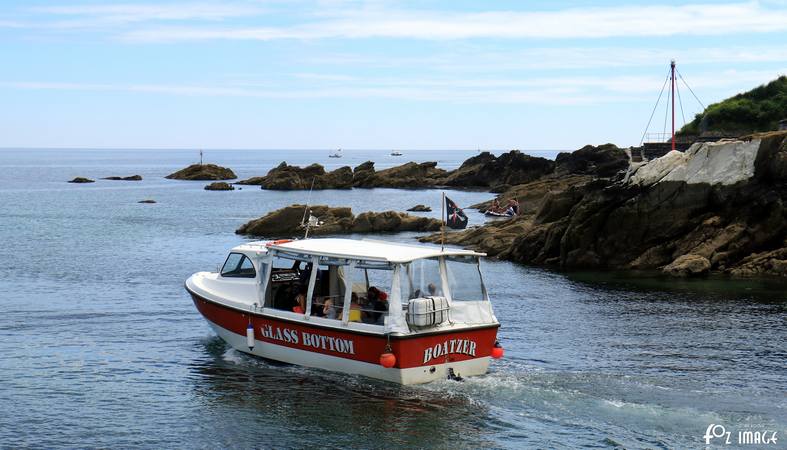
[672, 78]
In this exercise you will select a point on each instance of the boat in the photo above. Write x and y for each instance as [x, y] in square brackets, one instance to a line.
[395, 153]
[506, 213]
[336, 154]
[417, 313]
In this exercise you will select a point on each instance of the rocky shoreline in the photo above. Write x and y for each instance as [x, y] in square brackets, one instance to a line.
[719, 207]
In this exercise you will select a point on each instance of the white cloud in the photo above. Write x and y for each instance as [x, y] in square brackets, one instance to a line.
[141, 12]
[652, 20]
[551, 91]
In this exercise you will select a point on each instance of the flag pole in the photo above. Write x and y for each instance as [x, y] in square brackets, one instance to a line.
[442, 224]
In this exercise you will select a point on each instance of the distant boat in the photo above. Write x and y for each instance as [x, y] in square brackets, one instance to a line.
[336, 154]
[395, 153]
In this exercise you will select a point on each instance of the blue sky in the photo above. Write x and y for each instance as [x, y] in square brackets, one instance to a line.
[368, 74]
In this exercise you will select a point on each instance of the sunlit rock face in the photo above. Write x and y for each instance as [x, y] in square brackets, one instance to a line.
[714, 163]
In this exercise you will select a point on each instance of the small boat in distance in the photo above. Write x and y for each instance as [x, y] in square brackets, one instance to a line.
[395, 153]
[336, 154]
[403, 313]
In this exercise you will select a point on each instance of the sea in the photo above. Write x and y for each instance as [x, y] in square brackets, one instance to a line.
[101, 347]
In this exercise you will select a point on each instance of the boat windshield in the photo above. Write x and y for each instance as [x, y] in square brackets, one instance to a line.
[422, 280]
[464, 278]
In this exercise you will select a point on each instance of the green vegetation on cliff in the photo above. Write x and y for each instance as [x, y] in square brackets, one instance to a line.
[760, 109]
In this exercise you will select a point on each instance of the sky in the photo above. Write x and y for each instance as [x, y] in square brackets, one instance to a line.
[370, 74]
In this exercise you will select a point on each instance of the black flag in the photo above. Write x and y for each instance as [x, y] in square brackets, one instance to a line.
[454, 216]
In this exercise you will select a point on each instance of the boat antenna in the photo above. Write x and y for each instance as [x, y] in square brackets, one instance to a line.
[304, 221]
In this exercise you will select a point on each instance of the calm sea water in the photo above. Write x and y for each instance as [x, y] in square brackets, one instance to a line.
[101, 347]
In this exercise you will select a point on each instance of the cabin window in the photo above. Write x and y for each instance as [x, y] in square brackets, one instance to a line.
[288, 279]
[371, 286]
[239, 266]
[421, 279]
[464, 278]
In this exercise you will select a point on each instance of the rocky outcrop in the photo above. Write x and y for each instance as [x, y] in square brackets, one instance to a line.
[420, 208]
[147, 201]
[487, 170]
[482, 171]
[410, 175]
[287, 177]
[286, 222]
[203, 172]
[82, 180]
[219, 186]
[719, 207]
[129, 178]
[601, 161]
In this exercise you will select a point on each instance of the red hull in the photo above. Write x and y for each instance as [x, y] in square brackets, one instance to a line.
[425, 349]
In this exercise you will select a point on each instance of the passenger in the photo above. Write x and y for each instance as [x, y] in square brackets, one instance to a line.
[356, 315]
[300, 300]
[378, 301]
[432, 289]
[328, 310]
[496, 206]
[513, 207]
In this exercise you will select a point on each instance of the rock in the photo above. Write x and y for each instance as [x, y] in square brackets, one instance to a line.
[420, 208]
[219, 186]
[286, 222]
[203, 172]
[688, 265]
[129, 178]
[287, 177]
[723, 162]
[410, 175]
[510, 168]
[82, 180]
[147, 201]
[602, 161]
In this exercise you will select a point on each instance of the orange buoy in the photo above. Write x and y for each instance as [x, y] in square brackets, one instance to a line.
[497, 351]
[387, 360]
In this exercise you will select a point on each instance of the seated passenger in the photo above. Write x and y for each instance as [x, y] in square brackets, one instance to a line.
[355, 308]
[378, 301]
[300, 300]
[432, 289]
[496, 206]
[328, 310]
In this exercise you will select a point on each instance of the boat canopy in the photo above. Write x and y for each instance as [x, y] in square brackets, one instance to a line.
[366, 250]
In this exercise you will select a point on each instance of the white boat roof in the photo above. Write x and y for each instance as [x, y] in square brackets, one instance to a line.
[361, 249]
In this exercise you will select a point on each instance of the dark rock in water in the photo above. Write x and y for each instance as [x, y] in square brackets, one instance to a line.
[287, 177]
[602, 161]
[219, 186]
[286, 222]
[147, 201]
[409, 175]
[203, 172]
[420, 208]
[510, 168]
[129, 178]
[82, 180]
